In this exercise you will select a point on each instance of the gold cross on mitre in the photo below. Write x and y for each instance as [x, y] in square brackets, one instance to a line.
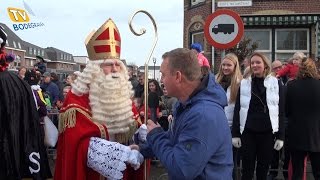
[105, 43]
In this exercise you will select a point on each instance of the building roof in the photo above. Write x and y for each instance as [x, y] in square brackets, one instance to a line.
[58, 55]
[81, 59]
[50, 54]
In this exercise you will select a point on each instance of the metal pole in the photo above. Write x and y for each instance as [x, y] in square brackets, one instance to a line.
[154, 67]
[212, 48]
[143, 31]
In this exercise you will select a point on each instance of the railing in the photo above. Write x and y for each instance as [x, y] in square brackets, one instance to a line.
[53, 115]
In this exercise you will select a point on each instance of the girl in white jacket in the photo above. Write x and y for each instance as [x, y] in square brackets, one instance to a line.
[258, 118]
[229, 77]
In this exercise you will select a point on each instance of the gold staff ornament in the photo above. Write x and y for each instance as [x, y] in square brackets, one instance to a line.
[146, 65]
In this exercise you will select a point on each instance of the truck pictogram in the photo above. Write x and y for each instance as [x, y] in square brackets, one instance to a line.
[223, 28]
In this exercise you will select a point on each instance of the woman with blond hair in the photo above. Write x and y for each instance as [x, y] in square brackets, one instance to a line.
[229, 77]
[258, 118]
[302, 108]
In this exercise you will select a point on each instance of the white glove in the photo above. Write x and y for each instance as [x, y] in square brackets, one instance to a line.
[107, 158]
[236, 142]
[278, 144]
[135, 159]
[142, 136]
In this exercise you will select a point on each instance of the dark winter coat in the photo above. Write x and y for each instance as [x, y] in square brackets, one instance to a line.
[303, 112]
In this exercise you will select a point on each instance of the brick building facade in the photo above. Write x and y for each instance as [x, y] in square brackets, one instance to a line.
[281, 27]
[57, 61]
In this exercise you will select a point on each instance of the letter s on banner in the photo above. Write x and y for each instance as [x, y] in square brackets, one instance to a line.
[35, 161]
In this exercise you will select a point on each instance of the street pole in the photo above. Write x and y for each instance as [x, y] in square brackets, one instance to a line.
[212, 48]
[154, 67]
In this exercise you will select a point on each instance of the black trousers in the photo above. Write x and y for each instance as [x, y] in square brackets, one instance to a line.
[298, 156]
[275, 163]
[256, 147]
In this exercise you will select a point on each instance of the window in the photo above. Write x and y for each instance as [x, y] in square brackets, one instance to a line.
[289, 41]
[30, 50]
[198, 37]
[17, 61]
[42, 53]
[262, 37]
[7, 43]
[196, 2]
[61, 57]
[19, 45]
[14, 44]
[39, 52]
[34, 51]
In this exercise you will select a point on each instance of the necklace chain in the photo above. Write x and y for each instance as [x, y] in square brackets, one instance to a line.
[264, 106]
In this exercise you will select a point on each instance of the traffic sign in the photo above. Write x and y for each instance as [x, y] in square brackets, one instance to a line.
[223, 29]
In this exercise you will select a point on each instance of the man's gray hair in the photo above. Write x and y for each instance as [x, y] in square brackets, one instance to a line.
[185, 61]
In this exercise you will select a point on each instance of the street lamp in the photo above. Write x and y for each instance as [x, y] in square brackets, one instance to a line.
[154, 67]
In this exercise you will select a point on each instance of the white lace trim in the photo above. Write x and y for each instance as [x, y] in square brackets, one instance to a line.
[108, 158]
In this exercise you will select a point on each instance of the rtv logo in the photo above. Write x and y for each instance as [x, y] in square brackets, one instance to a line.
[18, 15]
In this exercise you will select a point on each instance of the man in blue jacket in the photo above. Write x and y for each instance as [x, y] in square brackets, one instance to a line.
[50, 88]
[198, 144]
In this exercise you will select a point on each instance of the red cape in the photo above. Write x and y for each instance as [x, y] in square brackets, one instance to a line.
[73, 142]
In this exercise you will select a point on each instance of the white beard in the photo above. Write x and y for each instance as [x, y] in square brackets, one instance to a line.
[109, 97]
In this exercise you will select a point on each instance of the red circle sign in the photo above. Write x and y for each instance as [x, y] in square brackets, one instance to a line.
[226, 29]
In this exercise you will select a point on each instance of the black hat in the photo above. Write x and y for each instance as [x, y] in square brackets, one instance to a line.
[41, 58]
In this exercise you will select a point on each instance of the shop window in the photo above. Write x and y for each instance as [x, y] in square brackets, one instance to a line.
[289, 41]
[263, 38]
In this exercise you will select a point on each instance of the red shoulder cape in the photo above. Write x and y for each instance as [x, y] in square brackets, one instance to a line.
[73, 142]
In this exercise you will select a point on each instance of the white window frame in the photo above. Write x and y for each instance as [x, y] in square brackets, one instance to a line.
[270, 39]
[19, 45]
[292, 51]
[30, 50]
[192, 39]
[195, 33]
[14, 44]
[265, 52]
[196, 2]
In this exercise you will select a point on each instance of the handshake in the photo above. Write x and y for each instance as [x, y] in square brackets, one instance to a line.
[110, 159]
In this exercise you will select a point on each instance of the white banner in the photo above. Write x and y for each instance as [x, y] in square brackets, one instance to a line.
[19, 16]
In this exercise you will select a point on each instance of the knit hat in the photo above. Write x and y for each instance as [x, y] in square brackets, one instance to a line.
[46, 74]
[197, 47]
